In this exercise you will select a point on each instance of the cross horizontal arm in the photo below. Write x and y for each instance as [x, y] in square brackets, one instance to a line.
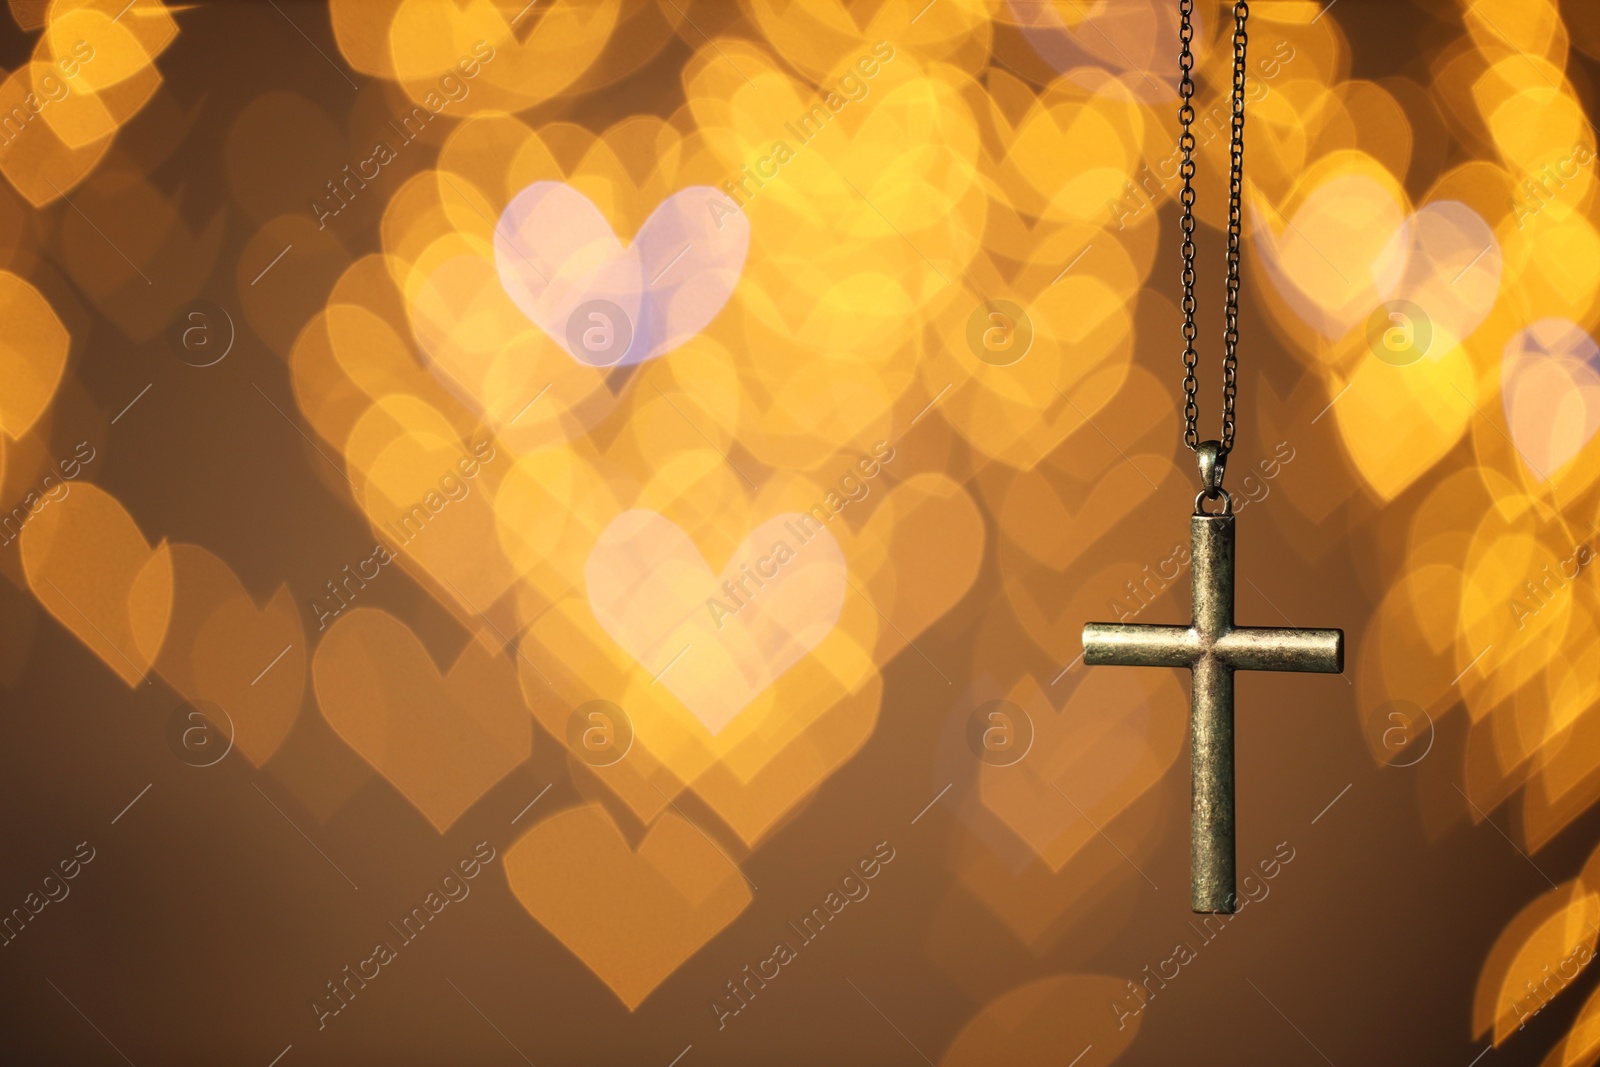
[1137, 645]
[1265, 648]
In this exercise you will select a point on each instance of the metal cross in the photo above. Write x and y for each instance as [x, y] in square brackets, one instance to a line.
[1213, 648]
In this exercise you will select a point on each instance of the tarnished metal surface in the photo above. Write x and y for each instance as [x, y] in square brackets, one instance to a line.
[1213, 648]
[1211, 839]
[1115, 644]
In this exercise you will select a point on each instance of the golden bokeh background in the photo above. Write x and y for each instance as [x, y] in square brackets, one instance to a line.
[559, 532]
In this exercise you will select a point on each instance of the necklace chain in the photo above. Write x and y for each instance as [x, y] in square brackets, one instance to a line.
[1186, 142]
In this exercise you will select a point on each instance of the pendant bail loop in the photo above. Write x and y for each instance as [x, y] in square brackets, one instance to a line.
[1213, 465]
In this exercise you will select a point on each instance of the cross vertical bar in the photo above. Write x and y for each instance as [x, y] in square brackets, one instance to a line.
[1211, 850]
[1211, 552]
[1211, 834]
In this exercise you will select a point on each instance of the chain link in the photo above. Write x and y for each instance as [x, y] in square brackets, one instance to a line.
[1186, 143]
[1191, 413]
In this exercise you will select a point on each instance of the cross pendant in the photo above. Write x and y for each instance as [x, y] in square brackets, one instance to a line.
[1213, 648]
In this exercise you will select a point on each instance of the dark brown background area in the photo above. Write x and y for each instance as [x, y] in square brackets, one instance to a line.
[206, 923]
